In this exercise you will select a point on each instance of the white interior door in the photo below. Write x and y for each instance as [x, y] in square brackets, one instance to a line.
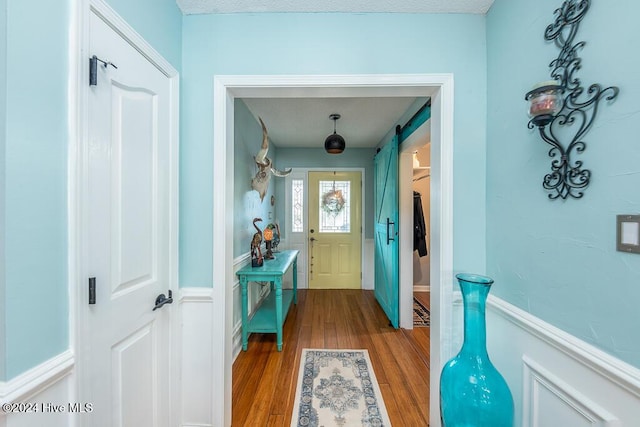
[129, 226]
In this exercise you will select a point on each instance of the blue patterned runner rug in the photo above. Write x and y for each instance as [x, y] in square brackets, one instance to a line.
[338, 388]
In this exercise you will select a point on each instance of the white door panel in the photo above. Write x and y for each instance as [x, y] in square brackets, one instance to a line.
[134, 202]
[134, 402]
[128, 236]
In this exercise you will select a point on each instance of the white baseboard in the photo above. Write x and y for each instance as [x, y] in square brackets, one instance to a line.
[556, 378]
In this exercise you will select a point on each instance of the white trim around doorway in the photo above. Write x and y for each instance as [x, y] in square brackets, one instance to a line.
[226, 89]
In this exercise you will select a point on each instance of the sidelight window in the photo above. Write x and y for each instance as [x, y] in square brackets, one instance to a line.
[297, 205]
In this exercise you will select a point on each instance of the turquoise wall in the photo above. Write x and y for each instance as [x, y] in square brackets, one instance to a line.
[34, 167]
[246, 201]
[274, 43]
[158, 21]
[36, 288]
[557, 259]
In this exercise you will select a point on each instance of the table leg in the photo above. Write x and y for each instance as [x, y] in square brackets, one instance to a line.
[245, 315]
[278, 284]
[295, 280]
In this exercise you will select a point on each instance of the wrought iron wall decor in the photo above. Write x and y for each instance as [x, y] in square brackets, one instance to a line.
[563, 102]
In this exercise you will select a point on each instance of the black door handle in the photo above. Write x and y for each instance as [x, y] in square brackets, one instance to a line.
[162, 300]
[389, 238]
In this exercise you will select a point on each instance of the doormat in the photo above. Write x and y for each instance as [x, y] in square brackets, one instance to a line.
[338, 388]
[421, 315]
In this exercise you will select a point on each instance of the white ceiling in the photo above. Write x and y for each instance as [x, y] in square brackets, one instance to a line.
[358, 6]
[305, 122]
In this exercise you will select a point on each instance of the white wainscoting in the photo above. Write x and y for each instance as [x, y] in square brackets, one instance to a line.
[368, 264]
[196, 306]
[556, 379]
[50, 386]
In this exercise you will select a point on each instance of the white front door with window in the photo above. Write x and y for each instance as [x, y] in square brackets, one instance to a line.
[128, 235]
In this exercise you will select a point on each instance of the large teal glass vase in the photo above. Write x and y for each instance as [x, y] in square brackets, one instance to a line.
[472, 391]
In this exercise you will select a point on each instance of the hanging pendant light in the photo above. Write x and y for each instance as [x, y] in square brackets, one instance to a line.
[334, 144]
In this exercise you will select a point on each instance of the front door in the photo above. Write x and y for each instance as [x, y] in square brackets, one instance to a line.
[386, 226]
[335, 232]
[129, 226]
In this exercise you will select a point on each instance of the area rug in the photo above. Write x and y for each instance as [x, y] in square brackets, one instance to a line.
[421, 315]
[337, 388]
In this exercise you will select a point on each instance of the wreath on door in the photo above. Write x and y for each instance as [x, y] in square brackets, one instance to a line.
[333, 202]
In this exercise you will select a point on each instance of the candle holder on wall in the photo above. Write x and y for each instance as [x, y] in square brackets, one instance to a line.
[557, 105]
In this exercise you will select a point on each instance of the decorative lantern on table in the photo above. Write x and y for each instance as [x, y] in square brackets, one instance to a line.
[268, 238]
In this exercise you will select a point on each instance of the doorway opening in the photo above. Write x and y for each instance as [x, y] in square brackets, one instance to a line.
[226, 89]
[416, 256]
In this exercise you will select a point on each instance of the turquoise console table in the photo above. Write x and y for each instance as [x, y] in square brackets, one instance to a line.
[271, 314]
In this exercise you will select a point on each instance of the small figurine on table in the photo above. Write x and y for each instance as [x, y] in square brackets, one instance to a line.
[256, 254]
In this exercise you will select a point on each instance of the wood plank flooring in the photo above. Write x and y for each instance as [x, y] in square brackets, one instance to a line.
[264, 380]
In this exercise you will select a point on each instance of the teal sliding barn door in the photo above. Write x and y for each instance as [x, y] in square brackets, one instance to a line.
[386, 226]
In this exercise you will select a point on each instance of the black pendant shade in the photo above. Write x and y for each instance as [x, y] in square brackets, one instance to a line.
[334, 144]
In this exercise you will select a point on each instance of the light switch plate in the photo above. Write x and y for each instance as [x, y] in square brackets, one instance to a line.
[628, 233]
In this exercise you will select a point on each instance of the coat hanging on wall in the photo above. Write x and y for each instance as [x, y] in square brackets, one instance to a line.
[419, 228]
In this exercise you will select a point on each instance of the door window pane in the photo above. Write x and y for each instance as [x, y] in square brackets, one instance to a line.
[297, 205]
[335, 207]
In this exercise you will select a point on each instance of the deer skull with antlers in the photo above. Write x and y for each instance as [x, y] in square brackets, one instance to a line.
[260, 182]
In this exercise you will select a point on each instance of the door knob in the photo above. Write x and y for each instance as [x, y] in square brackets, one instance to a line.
[162, 300]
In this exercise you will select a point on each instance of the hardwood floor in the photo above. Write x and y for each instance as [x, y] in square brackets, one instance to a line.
[264, 380]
